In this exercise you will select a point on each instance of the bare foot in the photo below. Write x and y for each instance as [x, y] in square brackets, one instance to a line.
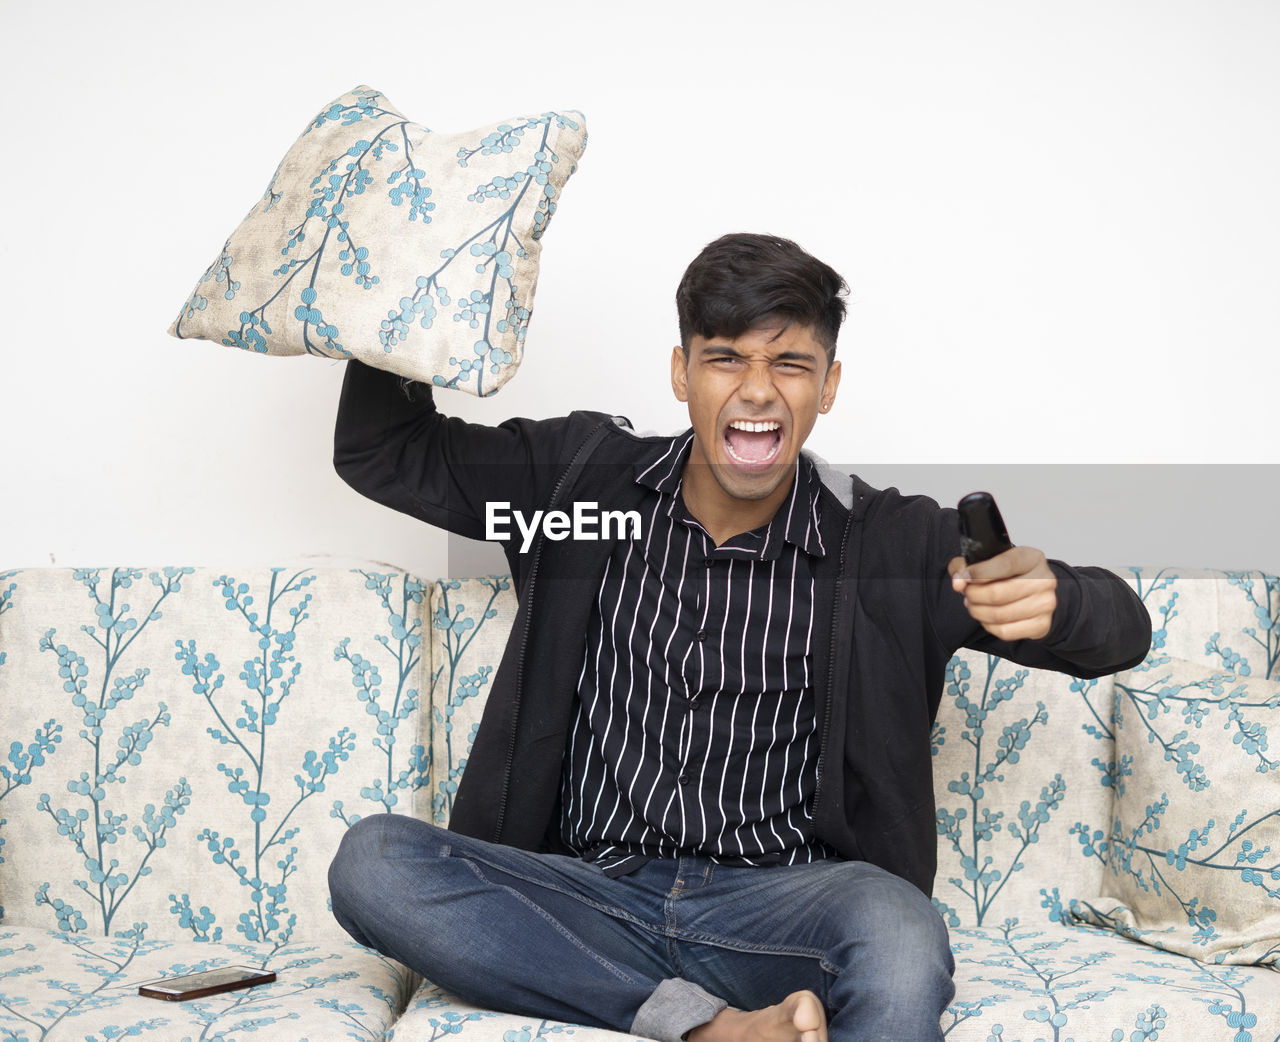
[797, 1018]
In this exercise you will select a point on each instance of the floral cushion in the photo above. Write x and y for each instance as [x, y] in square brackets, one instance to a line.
[1024, 760]
[380, 240]
[1016, 763]
[1194, 842]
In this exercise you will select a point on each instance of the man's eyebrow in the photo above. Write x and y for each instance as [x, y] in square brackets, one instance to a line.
[783, 356]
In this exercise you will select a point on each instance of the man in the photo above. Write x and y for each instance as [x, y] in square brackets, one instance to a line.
[699, 803]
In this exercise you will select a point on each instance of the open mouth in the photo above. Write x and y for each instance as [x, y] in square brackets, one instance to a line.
[753, 443]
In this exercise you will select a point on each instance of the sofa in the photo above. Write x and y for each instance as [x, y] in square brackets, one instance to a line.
[184, 747]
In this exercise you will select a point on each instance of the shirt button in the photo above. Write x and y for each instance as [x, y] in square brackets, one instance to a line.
[685, 779]
[707, 562]
[701, 635]
[694, 703]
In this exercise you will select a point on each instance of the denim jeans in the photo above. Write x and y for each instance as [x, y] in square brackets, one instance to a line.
[554, 937]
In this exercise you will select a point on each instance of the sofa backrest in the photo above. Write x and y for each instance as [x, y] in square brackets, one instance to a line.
[1024, 760]
[186, 747]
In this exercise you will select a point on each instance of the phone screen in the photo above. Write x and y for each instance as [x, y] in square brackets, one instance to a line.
[207, 979]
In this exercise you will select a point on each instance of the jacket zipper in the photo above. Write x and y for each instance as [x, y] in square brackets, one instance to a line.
[588, 443]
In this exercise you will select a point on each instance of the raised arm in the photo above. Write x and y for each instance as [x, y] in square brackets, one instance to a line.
[393, 445]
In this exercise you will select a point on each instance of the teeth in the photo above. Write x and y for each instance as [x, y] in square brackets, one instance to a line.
[755, 427]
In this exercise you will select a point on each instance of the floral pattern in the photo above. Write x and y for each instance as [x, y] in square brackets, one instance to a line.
[412, 251]
[1192, 855]
[199, 743]
[185, 748]
[88, 817]
[1019, 983]
[434, 1014]
[65, 986]
[466, 653]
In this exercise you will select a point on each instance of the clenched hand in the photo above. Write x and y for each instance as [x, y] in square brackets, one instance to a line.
[1013, 595]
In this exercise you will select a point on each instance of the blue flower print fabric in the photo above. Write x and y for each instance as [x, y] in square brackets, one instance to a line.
[377, 239]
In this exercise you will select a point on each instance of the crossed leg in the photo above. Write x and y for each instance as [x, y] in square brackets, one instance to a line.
[678, 948]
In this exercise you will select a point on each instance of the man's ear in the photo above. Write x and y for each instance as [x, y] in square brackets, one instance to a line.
[679, 374]
[829, 384]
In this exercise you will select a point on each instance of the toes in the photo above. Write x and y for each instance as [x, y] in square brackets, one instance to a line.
[808, 1017]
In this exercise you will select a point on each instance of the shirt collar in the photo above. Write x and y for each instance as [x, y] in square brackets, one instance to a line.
[796, 521]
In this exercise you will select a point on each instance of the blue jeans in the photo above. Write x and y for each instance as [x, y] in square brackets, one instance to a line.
[554, 937]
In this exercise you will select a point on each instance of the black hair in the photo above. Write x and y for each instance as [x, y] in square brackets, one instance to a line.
[742, 280]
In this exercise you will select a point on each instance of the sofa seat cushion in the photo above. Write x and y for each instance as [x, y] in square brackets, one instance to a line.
[56, 986]
[1045, 981]
[434, 1014]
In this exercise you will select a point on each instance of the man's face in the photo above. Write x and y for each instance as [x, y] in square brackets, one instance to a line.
[752, 402]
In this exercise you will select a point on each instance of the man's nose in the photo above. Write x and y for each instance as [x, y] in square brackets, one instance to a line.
[757, 384]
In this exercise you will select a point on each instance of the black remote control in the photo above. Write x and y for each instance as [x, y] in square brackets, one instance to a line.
[982, 531]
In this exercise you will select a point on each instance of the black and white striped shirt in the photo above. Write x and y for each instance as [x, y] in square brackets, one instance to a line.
[695, 718]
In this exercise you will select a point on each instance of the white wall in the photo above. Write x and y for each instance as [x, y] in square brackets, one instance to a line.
[1060, 223]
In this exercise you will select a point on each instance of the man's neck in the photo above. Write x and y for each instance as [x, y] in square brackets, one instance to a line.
[722, 515]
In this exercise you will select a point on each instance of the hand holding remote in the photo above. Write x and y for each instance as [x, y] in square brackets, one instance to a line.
[1010, 590]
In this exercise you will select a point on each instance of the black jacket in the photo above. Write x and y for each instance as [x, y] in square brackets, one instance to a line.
[894, 620]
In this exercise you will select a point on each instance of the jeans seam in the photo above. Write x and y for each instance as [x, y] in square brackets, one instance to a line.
[554, 923]
[612, 910]
[746, 946]
[669, 918]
